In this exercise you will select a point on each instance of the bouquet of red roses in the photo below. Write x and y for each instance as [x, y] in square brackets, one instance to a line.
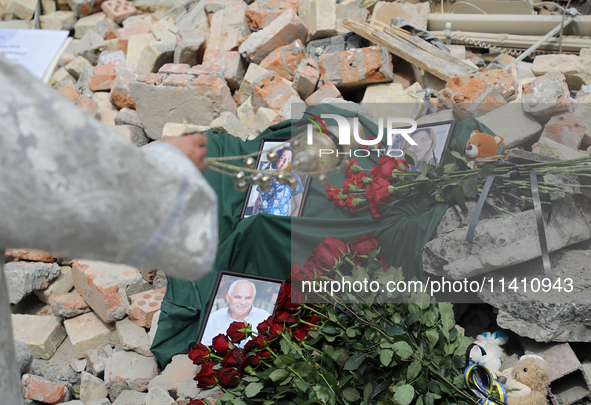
[376, 186]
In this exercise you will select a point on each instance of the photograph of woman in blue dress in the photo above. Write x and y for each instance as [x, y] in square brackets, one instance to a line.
[281, 199]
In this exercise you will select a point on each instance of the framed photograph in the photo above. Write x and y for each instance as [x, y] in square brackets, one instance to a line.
[239, 297]
[432, 139]
[281, 199]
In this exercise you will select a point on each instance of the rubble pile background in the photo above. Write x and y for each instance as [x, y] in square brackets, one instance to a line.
[150, 68]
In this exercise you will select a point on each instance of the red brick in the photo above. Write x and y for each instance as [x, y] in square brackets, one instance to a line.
[329, 90]
[143, 307]
[305, 81]
[285, 59]
[279, 4]
[151, 78]
[500, 78]
[342, 68]
[176, 68]
[283, 30]
[106, 287]
[103, 78]
[259, 19]
[228, 26]
[120, 93]
[133, 28]
[111, 34]
[71, 94]
[87, 105]
[118, 10]
[233, 68]
[68, 305]
[39, 389]
[178, 80]
[565, 129]
[215, 87]
[403, 79]
[270, 91]
[32, 254]
[199, 70]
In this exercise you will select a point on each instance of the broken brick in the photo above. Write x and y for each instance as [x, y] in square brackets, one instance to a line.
[285, 59]
[143, 307]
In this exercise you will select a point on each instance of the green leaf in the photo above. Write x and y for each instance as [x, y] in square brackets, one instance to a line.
[279, 374]
[351, 332]
[404, 395]
[250, 378]
[470, 187]
[410, 157]
[253, 388]
[421, 299]
[332, 317]
[486, 171]
[421, 177]
[354, 361]
[285, 347]
[449, 167]
[424, 169]
[386, 356]
[413, 370]
[457, 155]
[403, 350]
[447, 317]
[429, 399]
[458, 195]
[302, 386]
[429, 319]
[419, 401]
[367, 392]
[433, 337]
[395, 331]
[351, 394]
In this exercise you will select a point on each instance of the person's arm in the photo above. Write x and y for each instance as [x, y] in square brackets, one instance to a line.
[256, 204]
[76, 188]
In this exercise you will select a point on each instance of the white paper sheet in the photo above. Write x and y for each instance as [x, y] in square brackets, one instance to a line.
[34, 49]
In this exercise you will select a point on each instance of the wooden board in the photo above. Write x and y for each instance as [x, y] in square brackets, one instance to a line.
[412, 49]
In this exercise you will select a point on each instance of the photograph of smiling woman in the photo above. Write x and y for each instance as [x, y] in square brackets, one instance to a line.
[426, 142]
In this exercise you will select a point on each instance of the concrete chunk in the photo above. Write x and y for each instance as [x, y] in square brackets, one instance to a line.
[503, 242]
[179, 370]
[512, 123]
[61, 285]
[92, 388]
[133, 337]
[129, 371]
[68, 305]
[23, 278]
[43, 334]
[88, 331]
[319, 17]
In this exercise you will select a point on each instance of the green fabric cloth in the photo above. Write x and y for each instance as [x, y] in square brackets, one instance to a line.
[268, 245]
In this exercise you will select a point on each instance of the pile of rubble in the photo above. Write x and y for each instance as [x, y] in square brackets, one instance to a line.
[80, 330]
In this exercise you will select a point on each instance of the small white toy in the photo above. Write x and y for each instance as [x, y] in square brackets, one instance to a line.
[487, 350]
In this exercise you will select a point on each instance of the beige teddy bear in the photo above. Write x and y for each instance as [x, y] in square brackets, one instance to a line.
[530, 376]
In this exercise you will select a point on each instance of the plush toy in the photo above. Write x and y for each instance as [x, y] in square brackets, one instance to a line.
[530, 377]
[488, 351]
[481, 145]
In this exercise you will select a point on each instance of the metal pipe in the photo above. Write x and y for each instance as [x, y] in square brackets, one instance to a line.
[509, 24]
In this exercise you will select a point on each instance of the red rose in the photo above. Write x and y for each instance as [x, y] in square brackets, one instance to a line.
[205, 377]
[275, 329]
[197, 402]
[284, 297]
[364, 245]
[305, 273]
[300, 333]
[264, 353]
[228, 377]
[285, 317]
[379, 191]
[384, 168]
[257, 342]
[236, 331]
[233, 358]
[221, 344]
[198, 353]
[385, 265]
[265, 326]
[252, 361]
[325, 254]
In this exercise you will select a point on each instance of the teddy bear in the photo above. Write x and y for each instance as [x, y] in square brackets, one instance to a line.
[482, 144]
[487, 350]
[530, 377]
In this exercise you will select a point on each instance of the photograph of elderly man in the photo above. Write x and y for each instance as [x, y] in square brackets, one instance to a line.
[240, 298]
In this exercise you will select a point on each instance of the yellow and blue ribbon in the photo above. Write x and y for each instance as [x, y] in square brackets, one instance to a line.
[479, 378]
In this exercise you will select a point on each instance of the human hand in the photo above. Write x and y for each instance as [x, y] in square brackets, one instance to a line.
[193, 145]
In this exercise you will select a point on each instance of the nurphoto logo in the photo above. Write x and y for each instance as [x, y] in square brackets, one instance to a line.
[391, 130]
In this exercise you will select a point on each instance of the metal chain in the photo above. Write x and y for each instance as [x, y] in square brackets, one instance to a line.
[482, 44]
